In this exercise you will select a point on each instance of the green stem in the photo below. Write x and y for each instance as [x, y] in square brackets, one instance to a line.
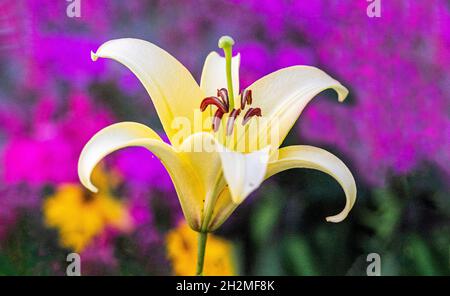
[202, 236]
[229, 81]
[226, 43]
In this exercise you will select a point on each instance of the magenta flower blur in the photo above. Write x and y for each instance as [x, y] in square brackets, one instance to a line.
[36, 156]
[98, 257]
[142, 169]
[14, 201]
[397, 66]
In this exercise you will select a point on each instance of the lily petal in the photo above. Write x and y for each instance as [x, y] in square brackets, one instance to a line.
[223, 208]
[214, 75]
[283, 94]
[244, 172]
[173, 90]
[219, 170]
[200, 150]
[127, 134]
[316, 158]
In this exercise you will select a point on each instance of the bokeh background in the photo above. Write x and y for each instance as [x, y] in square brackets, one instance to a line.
[393, 132]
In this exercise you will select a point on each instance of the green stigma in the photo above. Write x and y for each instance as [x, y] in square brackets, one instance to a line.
[226, 43]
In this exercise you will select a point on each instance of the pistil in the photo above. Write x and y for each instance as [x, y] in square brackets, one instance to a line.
[226, 43]
[224, 101]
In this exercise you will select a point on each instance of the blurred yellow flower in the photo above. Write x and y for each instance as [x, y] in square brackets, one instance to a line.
[182, 252]
[80, 216]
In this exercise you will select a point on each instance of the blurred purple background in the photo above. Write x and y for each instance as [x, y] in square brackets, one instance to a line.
[53, 98]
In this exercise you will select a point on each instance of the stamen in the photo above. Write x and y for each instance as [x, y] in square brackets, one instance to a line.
[246, 97]
[230, 124]
[249, 98]
[250, 113]
[223, 94]
[225, 98]
[213, 101]
[217, 119]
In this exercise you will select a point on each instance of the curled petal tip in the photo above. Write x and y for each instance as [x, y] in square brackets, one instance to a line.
[316, 158]
[89, 186]
[342, 95]
[333, 219]
[94, 56]
[93, 189]
[342, 215]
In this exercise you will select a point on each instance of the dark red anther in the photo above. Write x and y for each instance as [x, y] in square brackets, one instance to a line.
[246, 97]
[243, 93]
[230, 123]
[222, 104]
[216, 120]
[223, 94]
[213, 101]
[250, 113]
